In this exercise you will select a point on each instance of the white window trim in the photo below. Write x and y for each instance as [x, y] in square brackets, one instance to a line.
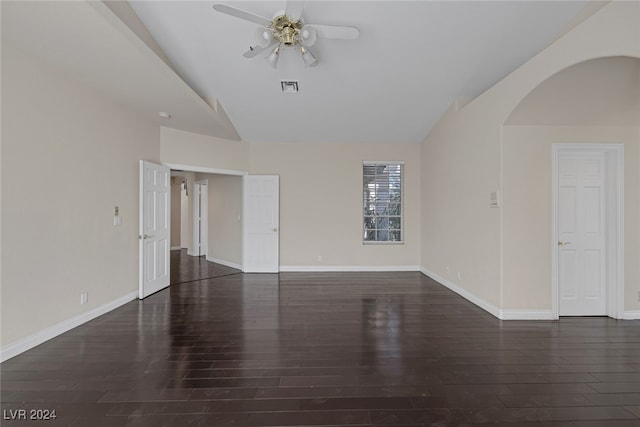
[402, 226]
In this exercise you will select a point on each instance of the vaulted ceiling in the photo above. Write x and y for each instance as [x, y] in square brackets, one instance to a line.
[412, 61]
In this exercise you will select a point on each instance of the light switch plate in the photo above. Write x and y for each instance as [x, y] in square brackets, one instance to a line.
[494, 199]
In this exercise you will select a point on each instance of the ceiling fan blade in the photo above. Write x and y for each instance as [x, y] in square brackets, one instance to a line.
[256, 50]
[253, 51]
[293, 9]
[336, 32]
[242, 14]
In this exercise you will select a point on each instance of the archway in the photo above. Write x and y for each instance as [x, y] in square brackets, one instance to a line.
[593, 102]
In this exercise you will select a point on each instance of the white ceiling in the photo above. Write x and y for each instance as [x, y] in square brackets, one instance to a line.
[87, 42]
[413, 59]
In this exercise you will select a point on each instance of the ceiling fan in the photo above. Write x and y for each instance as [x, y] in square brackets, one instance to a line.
[288, 30]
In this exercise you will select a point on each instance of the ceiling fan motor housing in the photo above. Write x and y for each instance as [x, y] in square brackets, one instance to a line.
[286, 30]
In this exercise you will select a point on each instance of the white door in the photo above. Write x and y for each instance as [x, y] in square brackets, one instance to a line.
[155, 193]
[581, 234]
[261, 243]
[200, 214]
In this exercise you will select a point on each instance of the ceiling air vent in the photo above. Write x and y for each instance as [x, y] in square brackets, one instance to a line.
[289, 87]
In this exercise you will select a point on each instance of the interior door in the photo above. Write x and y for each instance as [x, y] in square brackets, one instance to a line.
[581, 234]
[261, 225]
[155, 203]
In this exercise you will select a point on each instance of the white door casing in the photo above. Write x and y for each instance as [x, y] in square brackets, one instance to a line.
[587, 223]
[184, 218]
[154, 226]
[261, 224]
[200, 217]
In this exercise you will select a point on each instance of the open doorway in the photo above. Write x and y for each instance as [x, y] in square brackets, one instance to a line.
[208, 210]
[180, 211]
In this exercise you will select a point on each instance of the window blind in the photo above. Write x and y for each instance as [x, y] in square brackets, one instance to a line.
[382, 202]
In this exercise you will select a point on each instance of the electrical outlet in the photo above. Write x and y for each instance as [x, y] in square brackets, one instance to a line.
[84, 297]
[319, 258]
[460, 276]
[447, 269]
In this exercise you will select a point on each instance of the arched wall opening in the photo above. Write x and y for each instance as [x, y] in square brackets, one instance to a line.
[592, 102]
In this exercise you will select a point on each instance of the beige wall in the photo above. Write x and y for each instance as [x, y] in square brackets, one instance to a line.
[336, 231]
[321, 203]
[192, 149]
[225, 219]
[460, 231]
[527, 209]
[461, 158]
[72, 156]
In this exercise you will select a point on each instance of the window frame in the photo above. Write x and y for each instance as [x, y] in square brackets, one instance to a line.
[363, 215]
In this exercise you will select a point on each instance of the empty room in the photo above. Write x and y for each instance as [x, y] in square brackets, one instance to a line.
[320, 213]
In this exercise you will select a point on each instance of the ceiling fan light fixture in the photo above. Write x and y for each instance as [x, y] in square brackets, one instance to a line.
[264, 37]
[272, 59]
[308, 36]
[308, 58]
[289, 30]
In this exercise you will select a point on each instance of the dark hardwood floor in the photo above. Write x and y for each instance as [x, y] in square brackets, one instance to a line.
[392, 349]
[185, 268]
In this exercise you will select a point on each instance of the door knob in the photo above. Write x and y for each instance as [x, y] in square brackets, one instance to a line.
[275, 229]
[561, 243]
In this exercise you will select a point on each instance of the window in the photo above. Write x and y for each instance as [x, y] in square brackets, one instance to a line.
[382, 202]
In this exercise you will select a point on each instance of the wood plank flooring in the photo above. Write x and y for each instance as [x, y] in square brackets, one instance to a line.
[329, 349]
[185, 268]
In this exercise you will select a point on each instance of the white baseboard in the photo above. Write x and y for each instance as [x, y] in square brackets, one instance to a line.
[486, 306]
[225, 263]
[517, 314]
[631, 315]
[176, 248]
[191, 253]
[347, 268]
[540, 314]
[15, 348]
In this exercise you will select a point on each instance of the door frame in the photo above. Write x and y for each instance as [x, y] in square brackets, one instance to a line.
[211, 170]
[201, 205]
[614, 187]
[246, 266]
